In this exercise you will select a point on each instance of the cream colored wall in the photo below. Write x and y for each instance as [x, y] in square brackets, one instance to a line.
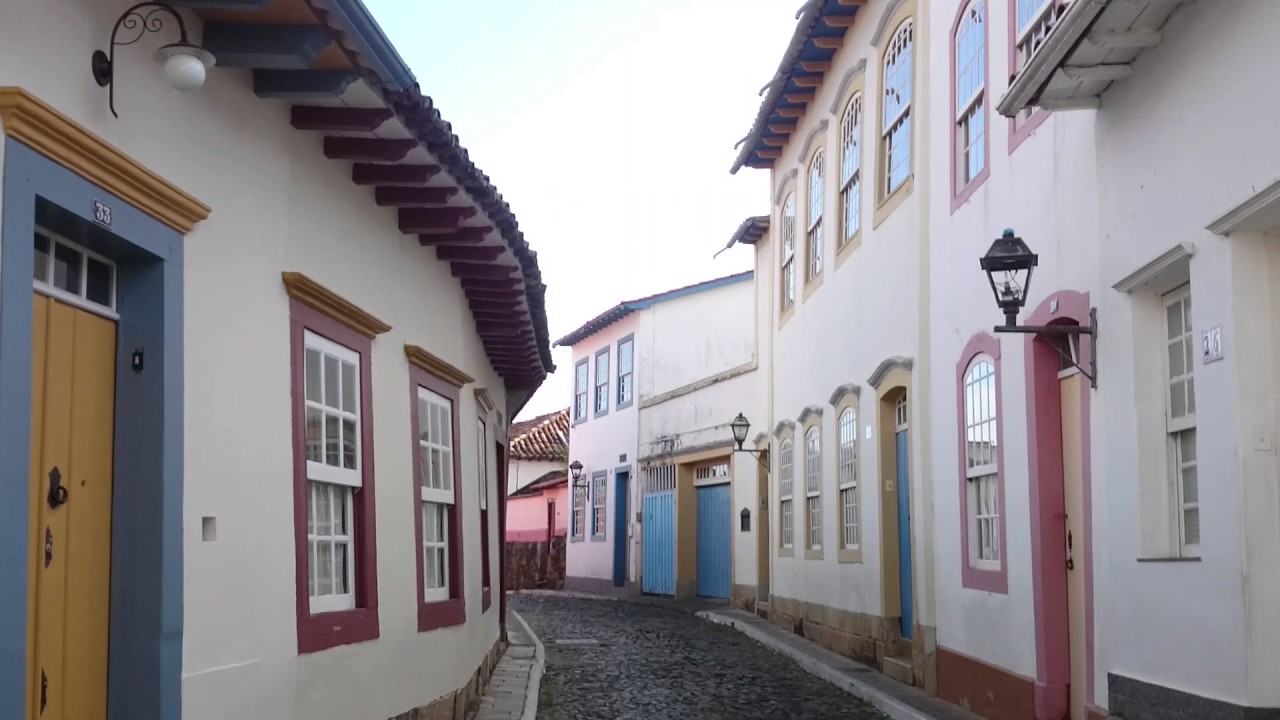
[866, 309]
[278, 205]
[523, 472]
[695, 337]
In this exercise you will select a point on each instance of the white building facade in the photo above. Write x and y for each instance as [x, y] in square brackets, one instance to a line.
[222, 332]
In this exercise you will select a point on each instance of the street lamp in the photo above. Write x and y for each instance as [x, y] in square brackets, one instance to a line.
[185, 63]
[740, 426]
[1008, 264]
[575, 471]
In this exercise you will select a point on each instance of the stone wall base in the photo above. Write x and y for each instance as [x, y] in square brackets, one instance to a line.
[744, 597]
[987, 690]
[600, 586]
[1131, 698]
[867, 638]
[456, 705]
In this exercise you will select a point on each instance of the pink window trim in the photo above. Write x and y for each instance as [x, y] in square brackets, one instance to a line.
[995, 581]
[1039, 115]
[443, 613]
[960, 195]
[326, 630]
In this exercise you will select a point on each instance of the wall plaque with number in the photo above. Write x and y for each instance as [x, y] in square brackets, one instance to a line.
[1211, 344]
[101, 213]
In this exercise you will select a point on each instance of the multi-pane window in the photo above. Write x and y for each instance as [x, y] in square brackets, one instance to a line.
[896, 121]
[599, 492]
[1034, 21]
[626, 371]
[332, 406]
[851, 169]
[580, 391]
[849, 527]
[813, 486]
[73, 274]
[482, 465]
[1180, 417]
[602, 382]
[786, 477]
[789, 252]
[982, 468]
[970, 49]
[814, 228]
[579, 519]
[435, 462]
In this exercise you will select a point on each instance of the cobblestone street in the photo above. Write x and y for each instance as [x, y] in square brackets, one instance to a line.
[624, 661]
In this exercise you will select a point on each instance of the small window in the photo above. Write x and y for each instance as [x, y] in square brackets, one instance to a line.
[849, 537]
[813, 486]
[789, 252]
[482, 465]
[970, 94]
[70, 273]
[580, 391]
[626, 374]
[851, 169]
[1180, 417]
[435, 449]
[982, 469]
[579, 519]
[786, 477]
[896, 120]
[814, 230]
[602, 382]
[599, 493]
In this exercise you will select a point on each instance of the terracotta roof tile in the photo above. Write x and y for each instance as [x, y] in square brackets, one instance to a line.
[545, 437]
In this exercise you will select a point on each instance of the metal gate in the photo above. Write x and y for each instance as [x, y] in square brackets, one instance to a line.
[659, 531]
[715, 533]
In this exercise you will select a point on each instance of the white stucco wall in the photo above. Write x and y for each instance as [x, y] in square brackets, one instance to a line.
[865, 311]
[278, 205]
[695, 337]
[600, 444]
[1173, 157]
[523, 472]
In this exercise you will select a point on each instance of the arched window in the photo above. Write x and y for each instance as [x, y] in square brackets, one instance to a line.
[851, 169]
[813, 486]
[970, 93]
[849, 529]
[982, 466]
[789, 252]
[814, 227]
[896, 121]
[786, 470]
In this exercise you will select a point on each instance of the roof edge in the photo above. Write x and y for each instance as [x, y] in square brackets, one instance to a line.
[371, 42]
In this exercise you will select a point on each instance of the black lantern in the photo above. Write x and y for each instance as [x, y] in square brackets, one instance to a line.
[740, 426]
[575, 471]
[1008, 265]
[184, 63]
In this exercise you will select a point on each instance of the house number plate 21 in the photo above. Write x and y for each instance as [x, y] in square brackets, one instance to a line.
[101, 213]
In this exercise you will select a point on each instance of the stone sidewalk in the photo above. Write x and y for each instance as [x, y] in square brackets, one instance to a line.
[512, 693]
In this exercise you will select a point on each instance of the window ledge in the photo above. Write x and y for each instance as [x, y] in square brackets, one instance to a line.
[597, 538]
[329, 630]
[984, 580]
[968, 190]
[847, 249]
[625, 405]
[849, 555]
[576, 538]
[813, 553]
[811, 286]
[1169, 559]
[786, 315]
[442, 614]
[891, 203]
[786, 552]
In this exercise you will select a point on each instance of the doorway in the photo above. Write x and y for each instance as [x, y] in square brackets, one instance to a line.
[762, 530]
[904, 514]
[1073, 498]
[69, 582]
[621, 495]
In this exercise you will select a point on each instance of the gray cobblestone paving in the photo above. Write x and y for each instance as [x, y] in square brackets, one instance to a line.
[652, 663]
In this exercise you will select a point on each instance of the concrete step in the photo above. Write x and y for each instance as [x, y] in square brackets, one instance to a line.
[899, 670]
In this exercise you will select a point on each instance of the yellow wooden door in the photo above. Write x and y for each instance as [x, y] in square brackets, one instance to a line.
[72, 432]
[1073, 490]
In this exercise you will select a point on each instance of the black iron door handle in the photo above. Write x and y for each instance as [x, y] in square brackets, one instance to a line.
[57, 493]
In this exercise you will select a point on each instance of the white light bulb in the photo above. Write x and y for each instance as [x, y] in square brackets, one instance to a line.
[184, 71]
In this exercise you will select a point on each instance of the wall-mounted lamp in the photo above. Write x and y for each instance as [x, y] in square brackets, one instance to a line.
[184, 63]
[1009, 263]
[575, 471]
[741, 426]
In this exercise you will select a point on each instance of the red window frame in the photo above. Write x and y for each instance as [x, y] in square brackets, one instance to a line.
[322, 631]
[440, 613]
[486, 593]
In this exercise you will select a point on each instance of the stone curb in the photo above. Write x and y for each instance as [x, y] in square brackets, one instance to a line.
[535, 673]
[882, 701]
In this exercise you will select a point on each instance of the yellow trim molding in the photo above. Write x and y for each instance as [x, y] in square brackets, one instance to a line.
[322, 299]
[420, 358]
[35, 123]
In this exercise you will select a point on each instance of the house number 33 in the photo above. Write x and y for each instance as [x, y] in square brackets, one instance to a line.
[101, 213]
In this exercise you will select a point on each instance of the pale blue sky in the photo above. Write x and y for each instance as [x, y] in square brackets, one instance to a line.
[609, 127]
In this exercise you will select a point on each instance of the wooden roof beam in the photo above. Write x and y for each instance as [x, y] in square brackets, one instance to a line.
[367, 149]
[482, 270]
[808, 81]
[800, 97]
[338, 119]
[791, 112]
[384, 174]
[815, 65]
[828, 42]
[274, 47]
[839, 21]
[400, 196]
[478, 253]
[468, 235]
[417, 220]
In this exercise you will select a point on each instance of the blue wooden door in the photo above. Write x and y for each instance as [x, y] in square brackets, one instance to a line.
[659, 543]
[620, 525]
[715, 533]
[904, 534]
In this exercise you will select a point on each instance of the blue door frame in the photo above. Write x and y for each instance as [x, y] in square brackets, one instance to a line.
[145, 647]
[904, 534]
[621, 498]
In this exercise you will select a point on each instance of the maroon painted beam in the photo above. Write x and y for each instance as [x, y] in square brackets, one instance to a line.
[482, 270]
[339, 119]
[401, 196]
[381, 174]
[505, 283]
[416, 220]
[469, 235]
[367, 149]
[478, 253]
[495, 305]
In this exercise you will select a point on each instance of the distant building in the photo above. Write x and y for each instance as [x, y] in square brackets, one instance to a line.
[537, 478]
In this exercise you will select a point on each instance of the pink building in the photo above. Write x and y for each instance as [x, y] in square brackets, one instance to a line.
[538, 482]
